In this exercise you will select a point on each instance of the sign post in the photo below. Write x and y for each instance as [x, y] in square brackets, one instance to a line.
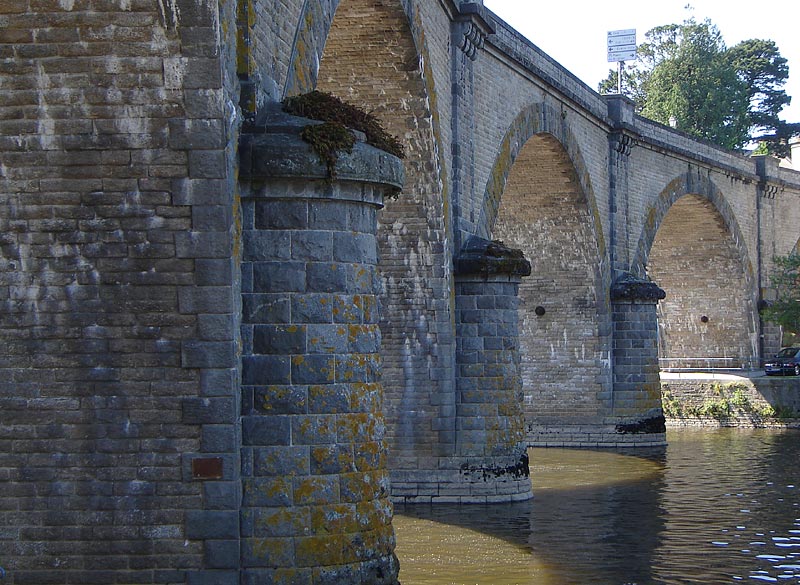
[621, 47]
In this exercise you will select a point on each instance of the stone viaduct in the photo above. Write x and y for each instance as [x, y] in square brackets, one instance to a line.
[220, 361]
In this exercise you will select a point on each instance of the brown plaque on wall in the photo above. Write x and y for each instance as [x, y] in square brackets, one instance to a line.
[207, 468]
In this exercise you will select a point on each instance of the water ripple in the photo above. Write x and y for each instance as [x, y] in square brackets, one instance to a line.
[717, 507]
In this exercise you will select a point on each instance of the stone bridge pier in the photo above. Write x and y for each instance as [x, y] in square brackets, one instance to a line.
[315, 485]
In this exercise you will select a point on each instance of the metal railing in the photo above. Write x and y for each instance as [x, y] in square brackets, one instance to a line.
[704, 364]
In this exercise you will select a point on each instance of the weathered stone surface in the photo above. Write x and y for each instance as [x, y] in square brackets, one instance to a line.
[630, 288]
[306, 412]
[134, 276]
[272, 148]
[479, 256]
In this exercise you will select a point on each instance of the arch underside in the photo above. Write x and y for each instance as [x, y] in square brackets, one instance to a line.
[708, 318]
[544, 212]
[370, 60]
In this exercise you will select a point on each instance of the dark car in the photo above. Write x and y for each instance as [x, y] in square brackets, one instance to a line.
[786, 362]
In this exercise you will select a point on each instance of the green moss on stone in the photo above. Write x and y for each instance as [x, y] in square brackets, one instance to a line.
[318, 105]
[327, 140]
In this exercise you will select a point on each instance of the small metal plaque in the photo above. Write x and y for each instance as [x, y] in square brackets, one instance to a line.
[207, 468]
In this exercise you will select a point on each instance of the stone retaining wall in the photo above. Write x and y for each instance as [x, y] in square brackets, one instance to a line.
[729, 401]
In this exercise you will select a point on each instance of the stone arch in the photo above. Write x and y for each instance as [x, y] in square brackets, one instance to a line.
[693, 248]
[537, 118]
[539, 199]
[309, 42]
[312, 35]
[690, 183]
[375, 56]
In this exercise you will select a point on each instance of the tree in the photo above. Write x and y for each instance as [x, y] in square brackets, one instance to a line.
[785, 309]
[685, 76]
[760, 65]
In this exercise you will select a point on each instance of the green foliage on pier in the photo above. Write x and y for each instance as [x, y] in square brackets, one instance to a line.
[318, 105]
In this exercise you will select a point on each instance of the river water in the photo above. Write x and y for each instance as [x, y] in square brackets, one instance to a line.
[717, 506]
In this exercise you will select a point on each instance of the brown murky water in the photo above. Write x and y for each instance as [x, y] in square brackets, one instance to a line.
[718, 506]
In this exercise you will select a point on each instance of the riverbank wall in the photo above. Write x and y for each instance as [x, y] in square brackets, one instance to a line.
[728, 400]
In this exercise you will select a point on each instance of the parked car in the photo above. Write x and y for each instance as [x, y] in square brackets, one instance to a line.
[786, 362]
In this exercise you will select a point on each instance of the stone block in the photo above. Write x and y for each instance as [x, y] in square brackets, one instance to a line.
[280, 399]
[361, 218]
[312, 246]
[268, 308]
[329, 215]
[205, 244]
[205, 299]
[332, 459]
[266, 430]
[316, 490]
[328, 338]
[266, 245]
[265, 369]
[212, 524]
[208, 410]
[328, 399]
[268, 552]
[208, 354]
[312, 369]
[350, 247]
[211, 218]
[281, 215]
[279, 339]
[314, 430]
[357, 367]
[213, 271]
[276, 277]
[216, 327]
[221, 554]
[282, 461]
[201, 134]
[289, 576]
[295, 521]
[312, 308]
[219, 382]
[219, 438]
[222, 495]
[326, 277]
[349, 308]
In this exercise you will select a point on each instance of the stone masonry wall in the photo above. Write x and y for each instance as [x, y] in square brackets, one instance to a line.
[544, 213]
[120, 301]
[418, 341]
[270, 42]
[708, 312]
[748, 402]
[512, 71]
[117, 327]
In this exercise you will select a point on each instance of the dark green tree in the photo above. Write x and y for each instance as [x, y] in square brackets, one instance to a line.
[764, 71]
[785, 309]
[685, 76]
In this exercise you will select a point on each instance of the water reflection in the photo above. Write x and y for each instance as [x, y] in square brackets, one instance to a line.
[715, 507]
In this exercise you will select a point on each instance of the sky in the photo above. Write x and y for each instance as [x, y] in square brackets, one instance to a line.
[574, 32]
